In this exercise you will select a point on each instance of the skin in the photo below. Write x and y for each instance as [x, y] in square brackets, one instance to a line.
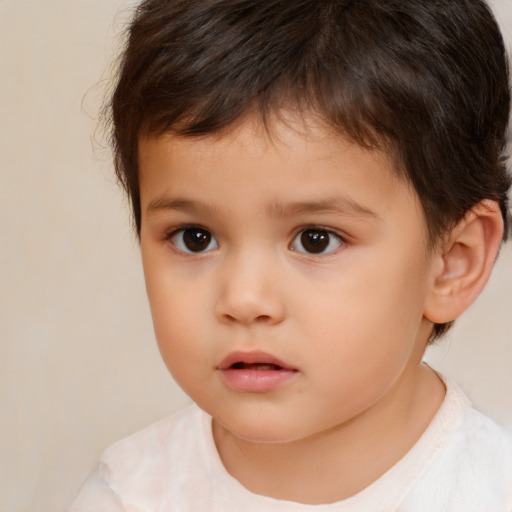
[352, 320]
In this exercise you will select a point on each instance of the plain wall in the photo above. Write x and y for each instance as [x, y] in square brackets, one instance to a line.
[79, 367]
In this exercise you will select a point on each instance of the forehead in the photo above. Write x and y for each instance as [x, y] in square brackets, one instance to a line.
[304, 143]
[249, 166]
[283, 132]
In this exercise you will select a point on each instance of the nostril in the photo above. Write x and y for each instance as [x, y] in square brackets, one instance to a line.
[263, 318]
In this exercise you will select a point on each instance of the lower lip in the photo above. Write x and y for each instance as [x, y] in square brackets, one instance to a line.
[256, 381]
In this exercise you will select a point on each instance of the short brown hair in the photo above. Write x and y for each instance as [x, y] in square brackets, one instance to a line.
[427, 80]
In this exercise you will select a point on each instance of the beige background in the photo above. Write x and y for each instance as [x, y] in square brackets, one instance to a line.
[78, 364]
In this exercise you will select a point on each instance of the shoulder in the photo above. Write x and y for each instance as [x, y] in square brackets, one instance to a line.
[157, 441]
[486, 439]
[479, 439]
[484, 449]
[151, 455]
[147, 466]
[473, 468]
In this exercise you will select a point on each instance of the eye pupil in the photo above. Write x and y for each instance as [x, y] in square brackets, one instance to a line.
[315, 241]
[196, 239]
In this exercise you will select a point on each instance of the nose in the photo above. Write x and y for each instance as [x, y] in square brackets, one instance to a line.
[250, 292]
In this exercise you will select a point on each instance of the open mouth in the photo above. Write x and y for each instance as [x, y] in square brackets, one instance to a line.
[255, 366]
[255, 360]
[255, 372]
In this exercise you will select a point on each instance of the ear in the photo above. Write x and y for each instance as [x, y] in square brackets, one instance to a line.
[462, 264]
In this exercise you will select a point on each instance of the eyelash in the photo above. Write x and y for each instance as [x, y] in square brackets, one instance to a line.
[172, 234]
[319, 229]
[339, 240]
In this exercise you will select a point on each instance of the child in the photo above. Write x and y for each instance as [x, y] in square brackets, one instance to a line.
[319, 190]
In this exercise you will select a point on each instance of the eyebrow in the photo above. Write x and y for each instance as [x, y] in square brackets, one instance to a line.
[336, 205]
[343, 205]
[178, 204]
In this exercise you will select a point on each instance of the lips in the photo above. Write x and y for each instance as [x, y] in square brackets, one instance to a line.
[242, 360]
[255, 372]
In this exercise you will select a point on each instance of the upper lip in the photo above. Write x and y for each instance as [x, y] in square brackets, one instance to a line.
[252, 357]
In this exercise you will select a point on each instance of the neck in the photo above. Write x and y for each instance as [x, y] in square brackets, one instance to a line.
[335, 464]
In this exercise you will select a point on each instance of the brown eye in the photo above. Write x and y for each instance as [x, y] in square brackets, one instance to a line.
[316, 241]
[194, 240]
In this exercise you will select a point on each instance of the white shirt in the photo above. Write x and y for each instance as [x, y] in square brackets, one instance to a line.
[461, 463]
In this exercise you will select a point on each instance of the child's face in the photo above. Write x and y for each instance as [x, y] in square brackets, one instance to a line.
[287, 278]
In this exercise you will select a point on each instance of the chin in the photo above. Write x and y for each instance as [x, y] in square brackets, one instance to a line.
[261, 430]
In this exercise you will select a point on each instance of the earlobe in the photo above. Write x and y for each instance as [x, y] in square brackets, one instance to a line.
[463, 263]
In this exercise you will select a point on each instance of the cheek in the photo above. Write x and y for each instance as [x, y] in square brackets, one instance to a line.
[371, 314]
[179, 314]
[185, 346]
[177, 317]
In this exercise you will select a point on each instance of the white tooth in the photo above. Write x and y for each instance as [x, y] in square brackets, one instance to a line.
[266, 367]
